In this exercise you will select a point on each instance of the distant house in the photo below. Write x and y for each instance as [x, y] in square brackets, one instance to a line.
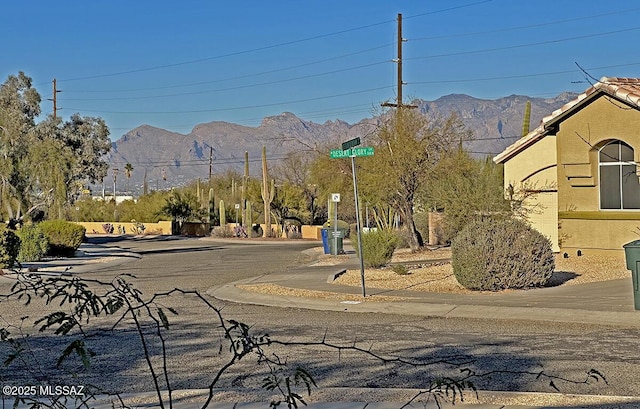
[580, 163]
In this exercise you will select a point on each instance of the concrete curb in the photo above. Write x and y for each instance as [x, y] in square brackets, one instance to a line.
[334, 277]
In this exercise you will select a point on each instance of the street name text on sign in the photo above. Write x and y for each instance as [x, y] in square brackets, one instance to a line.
[351, 143]
[347, 153]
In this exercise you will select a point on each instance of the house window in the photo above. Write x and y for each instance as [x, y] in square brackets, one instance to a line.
[619, 187]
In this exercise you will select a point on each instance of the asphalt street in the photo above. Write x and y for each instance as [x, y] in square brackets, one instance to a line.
[510, 353]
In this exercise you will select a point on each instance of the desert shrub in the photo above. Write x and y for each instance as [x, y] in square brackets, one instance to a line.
[493, 255]
[221, 232]
[377, 247]
[400, 269]
[33, 243]
[9, 246]
[64, 237]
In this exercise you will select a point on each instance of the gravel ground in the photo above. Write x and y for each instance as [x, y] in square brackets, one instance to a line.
[430, 271]
[573, 270]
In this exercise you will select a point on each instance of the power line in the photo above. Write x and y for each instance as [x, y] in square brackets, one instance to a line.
[268, 47]
[231, 88]
[511, 47]
[502, 30]
[237, 77]
[238, 108]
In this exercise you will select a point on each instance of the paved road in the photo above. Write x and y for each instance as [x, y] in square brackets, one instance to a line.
[564, 350]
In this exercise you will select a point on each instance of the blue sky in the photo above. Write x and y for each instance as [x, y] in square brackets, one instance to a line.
[175, 64]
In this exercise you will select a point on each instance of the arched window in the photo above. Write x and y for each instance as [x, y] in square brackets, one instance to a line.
[619, 187]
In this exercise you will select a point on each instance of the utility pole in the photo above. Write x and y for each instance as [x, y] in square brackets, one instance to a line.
[115, 177]
[210, 163]
[55, 99]
[399, 103]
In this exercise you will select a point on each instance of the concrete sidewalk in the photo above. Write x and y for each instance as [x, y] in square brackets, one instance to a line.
[601, 303]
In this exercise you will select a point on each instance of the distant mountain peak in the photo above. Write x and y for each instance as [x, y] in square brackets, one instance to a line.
[496, 123]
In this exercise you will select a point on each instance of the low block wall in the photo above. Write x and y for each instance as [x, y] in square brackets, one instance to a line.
[165, 228]
[161, 228]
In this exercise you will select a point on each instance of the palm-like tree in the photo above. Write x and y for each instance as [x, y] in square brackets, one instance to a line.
[127, 172]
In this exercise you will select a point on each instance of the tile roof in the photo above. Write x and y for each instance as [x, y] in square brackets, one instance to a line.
[623, 89]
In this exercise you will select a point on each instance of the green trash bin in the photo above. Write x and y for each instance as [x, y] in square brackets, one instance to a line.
[632, 256]
[336, 246]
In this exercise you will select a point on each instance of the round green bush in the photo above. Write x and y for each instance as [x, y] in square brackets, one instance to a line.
[377, 245]
[64, 237]
[33, 244]
[493, 255]
[9, 247]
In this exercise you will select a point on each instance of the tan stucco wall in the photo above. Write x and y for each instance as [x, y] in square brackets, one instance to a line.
[582, 225]
[535, 169]
[597, 234]
[597, 123]
[162, 228]
[579, 138]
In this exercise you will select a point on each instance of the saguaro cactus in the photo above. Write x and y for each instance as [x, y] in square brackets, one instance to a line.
[212, 207]
[249, 218]
[267, 194]
[223, 215]
[527, 119]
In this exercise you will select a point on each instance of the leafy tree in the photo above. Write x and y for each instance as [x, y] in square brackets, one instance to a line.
[289, 202]
[332, 176]
[45, 164]
[408, 149]
[182, 207]
[19, 106]
[465, 189]
[295, 170]
[128, 169]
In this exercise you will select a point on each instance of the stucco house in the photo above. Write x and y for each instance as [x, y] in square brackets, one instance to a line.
[579, 166]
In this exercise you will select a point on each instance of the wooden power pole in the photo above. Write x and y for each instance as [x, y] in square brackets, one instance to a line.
[210, 163]
[399, 103]
[55, 99]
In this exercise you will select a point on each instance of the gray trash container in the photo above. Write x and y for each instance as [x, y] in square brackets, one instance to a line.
[632, 256]
[335, 250]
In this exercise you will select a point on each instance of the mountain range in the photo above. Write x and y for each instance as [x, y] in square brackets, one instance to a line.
[173, 159]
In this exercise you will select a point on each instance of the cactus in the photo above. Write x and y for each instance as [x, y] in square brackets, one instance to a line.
[198, 194]
[527, 119]
[223, 215]
[212, 207]
[249, 217]
[267, 193]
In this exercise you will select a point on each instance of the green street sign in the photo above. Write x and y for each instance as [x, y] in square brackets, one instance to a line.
[339, 153]
[363, 151]
[350, 143]
[347, 153]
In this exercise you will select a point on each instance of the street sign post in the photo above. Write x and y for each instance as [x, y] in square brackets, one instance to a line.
[351, 150]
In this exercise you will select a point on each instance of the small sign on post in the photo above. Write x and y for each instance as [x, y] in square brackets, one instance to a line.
[351, 150]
